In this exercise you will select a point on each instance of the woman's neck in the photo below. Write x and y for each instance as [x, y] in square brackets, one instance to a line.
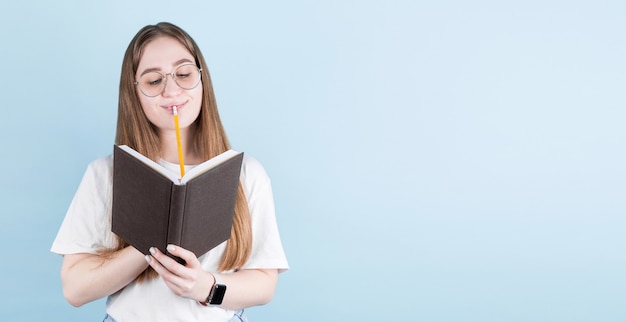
[169, 146]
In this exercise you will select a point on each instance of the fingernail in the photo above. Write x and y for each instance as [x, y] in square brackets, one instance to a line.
[171, 248]
[148, 258]
[152, 250]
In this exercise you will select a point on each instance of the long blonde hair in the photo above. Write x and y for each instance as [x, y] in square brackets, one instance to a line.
[135, 130]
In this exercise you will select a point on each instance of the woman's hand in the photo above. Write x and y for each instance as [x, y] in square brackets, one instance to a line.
[245, 288]
[188, 280]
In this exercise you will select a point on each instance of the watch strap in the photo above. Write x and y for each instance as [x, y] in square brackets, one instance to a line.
[216, 294]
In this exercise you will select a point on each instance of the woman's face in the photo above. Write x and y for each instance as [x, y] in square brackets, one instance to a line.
[164, 55]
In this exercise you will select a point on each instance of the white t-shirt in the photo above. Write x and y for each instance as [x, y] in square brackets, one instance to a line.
[87, 229]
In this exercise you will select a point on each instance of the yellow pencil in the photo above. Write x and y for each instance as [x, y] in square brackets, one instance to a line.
[181, 161]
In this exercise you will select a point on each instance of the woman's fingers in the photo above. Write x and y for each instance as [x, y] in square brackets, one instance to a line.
[189, 257]
[184, 281]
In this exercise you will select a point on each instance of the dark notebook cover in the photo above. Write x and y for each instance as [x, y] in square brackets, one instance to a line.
[151, 209]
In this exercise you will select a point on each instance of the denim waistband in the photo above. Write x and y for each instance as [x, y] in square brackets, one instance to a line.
[239, 316]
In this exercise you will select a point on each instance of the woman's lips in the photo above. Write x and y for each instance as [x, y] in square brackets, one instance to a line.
[170, 107]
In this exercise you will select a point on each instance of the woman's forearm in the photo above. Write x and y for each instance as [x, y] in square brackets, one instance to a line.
[88, 277]
[248, 287]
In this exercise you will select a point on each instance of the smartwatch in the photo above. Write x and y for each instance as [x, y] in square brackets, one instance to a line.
[216, 295]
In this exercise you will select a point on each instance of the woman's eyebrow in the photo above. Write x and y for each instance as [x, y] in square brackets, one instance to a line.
[184, 60]
[156, 69]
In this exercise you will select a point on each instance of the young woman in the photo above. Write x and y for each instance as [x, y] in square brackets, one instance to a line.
[162, 69]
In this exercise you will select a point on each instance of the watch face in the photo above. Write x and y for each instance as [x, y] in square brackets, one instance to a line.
[218, 294]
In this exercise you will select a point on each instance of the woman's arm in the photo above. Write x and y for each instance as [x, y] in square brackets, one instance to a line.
[245, 288]
[248, 287]
[88, 277]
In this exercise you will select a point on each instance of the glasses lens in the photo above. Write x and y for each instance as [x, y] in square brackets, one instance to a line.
[187, 76]
[151, 84]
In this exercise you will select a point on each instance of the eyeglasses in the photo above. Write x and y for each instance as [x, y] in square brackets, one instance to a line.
[153, 84]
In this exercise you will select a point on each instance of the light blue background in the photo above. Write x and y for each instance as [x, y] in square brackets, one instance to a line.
[431, 160]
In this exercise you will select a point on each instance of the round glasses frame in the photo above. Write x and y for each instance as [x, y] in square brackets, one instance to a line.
[163, 80]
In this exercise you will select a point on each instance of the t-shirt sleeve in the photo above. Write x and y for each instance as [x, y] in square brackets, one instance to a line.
[86, 227]
[267, 249]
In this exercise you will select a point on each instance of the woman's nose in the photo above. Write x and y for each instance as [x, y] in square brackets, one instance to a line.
[171, 88]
